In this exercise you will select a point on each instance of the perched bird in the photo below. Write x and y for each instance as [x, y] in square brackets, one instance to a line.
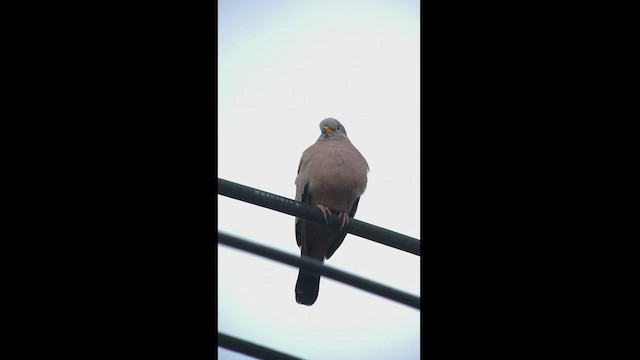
[332, 174]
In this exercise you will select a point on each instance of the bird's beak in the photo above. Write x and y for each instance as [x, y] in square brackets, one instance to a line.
[328, 129]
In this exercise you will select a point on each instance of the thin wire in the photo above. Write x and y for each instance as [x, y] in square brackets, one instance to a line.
[251, 349]
[317, 267]
[312, 213]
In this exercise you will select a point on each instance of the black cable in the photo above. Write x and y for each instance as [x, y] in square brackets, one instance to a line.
[317, 267]
[251, 349]
[308, 212]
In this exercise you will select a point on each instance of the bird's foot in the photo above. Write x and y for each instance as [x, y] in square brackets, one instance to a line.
[345, 219]
[324, 210]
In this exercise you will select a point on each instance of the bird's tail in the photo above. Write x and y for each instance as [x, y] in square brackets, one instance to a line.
[307, 287]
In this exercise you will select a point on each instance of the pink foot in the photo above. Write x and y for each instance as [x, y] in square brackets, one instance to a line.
[345, 219]
[324, 210]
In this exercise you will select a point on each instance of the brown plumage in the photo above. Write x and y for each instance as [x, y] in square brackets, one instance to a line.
[332, 175]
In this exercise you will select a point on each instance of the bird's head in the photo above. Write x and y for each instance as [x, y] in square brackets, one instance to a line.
[332, 128]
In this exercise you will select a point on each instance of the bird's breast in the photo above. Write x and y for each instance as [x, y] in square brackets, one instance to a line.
[337, 176]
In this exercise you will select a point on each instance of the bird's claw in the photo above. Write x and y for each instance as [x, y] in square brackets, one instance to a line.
[342, 216]
[324, 210]
[345, 219]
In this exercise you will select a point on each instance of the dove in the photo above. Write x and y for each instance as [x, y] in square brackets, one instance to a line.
[332, 175]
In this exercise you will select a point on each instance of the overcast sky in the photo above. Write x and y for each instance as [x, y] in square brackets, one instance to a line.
[283, 66]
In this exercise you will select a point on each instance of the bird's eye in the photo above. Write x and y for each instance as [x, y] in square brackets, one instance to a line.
[338, 128]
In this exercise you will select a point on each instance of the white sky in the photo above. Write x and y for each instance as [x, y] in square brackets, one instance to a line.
[283, 66]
